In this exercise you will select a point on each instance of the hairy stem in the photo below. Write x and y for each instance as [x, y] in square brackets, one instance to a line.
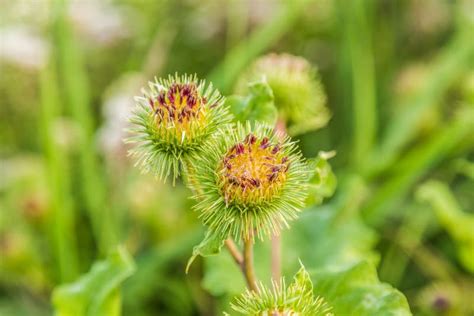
[248, 265]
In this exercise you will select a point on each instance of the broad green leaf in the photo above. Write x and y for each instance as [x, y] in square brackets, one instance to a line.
[357, 291]
[258, 105]
[459, 224]
[323, 181]
[211, 245]
[222, 276]
[237, 105]
[96, 293]
[321, 240]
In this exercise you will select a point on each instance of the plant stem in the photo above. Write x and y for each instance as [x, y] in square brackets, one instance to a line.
[276, 257]
[248, 265]
[56, 160]
[77, 99]
[237, 12]
[363, 80]
[235, 252]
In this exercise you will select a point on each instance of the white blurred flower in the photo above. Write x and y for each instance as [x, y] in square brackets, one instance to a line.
[429, 17]
[98, 21]
[117, 108]
[19, 45]
[467, 10]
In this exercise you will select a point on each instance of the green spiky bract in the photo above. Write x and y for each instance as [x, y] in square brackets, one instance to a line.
[298, 91]
[158, 146]
[296, 299]
[261, 216]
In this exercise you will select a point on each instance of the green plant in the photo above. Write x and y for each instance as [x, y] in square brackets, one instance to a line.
[248, 178]
[382, 97]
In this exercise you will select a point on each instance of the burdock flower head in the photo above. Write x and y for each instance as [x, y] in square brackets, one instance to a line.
[173, 122]
[299, 94]
[295, 300]
[252, 183]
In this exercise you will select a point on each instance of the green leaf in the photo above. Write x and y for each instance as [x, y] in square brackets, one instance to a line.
[211, 245]
[237, 105]
[322, 240]
[302, 278]
[258, 105]
[223, 276]
[323, 182]
[459, 224]
[357, 291]
[97, 292]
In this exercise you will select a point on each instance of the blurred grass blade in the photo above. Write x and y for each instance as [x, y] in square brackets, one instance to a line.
[225, 74]
[410, 168]
[363, 78]
[62, 217]
[451, 64]
[409, 238]
[459, 224]
[151, 268]
[237, 20]
[97, 292]
[76, 89]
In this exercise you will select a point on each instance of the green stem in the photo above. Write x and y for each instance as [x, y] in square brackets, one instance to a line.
[363, 80]
[235, 252]
[276, 257]
[76, 87]
[236, 21]
[56, 164]
[248, 265]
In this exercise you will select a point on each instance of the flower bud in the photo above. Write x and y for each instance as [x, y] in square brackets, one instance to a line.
[253, 183]
[299, 94]
[295, 300]
[173, 122]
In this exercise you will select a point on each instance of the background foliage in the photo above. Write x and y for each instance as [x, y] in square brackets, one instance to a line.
[399, 76]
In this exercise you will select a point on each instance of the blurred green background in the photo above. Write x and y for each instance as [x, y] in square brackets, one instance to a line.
[399, 75]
